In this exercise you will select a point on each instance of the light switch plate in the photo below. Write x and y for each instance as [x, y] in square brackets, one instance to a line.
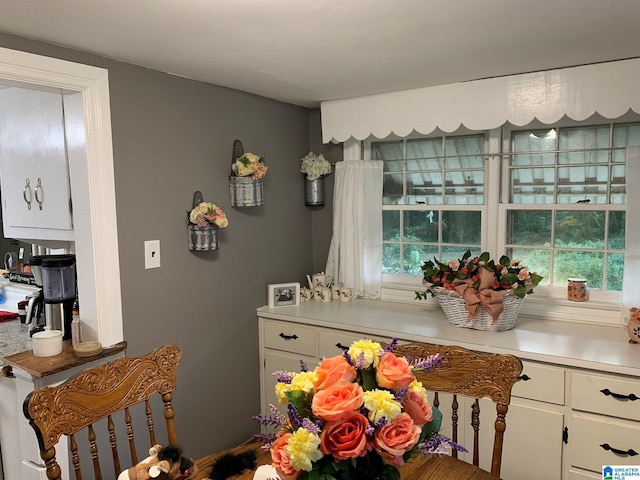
[152, 254]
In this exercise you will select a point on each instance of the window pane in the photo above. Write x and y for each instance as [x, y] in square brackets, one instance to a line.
[392, 190]
[617, 222]
[424, 188]
[415, 255]
[420, 226]
[581, 139]
[390, 225]
[533, 185]
[454, 253]
[579, 229]
[390, 258]
[624, 136]
[571, 264]
[387, 151]
[529, 227]
[619, 184]
[537, 260]
[461, 227]
[582, 183]
[464, 152]
[425, 148]
[465, 188]
[425, 154]
[615, 271]
[533, 144]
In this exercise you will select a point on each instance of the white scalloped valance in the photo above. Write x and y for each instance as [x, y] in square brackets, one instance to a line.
[610, 89]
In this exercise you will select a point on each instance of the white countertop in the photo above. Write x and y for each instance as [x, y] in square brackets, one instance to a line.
[604, 348]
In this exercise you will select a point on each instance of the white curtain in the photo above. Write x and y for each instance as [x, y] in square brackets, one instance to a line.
[355, 255]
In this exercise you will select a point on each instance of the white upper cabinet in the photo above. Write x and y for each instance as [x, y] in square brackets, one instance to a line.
[34, 171]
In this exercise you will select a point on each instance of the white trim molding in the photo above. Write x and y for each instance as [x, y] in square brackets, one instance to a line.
[92, 185]
[609, 89]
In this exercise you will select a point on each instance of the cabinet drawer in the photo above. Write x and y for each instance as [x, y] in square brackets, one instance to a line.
[543, 383]
[330, 343]
[589, 393]
[588, 432]
[290, 337]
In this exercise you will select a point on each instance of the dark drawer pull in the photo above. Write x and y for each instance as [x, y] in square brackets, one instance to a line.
[631, 396]
[524, 378]
[342, 347]
[628, 453]
[289, 337]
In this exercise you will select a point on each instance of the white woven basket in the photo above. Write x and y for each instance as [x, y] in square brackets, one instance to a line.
[457, 315]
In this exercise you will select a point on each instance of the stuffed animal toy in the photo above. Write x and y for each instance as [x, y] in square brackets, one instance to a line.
[163, 463]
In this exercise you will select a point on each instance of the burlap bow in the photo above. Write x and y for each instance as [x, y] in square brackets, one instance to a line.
[483, 295]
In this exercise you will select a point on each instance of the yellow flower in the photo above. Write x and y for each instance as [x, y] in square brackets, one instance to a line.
[303, 448]
[417, 387]
[301, 381]
[281, 392]
[304, 381]
[381, 403]
[367, 349]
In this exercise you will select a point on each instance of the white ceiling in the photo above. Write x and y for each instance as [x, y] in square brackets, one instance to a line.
[307, 51]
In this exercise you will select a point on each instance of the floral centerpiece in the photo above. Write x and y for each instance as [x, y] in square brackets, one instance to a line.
[314, 166]
[207, 213]
[251, 165]
[359, 415]
[480, 281]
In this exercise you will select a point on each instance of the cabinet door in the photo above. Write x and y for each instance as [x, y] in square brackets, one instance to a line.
[532, 441]
[274, 361]
[34, 162]
[575, 474]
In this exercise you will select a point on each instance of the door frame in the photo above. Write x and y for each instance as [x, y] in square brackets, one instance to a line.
[92, 185]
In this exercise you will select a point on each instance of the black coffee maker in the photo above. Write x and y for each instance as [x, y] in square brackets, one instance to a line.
[56, 275]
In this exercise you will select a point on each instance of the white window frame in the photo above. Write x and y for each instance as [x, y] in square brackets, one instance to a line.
[547, 302]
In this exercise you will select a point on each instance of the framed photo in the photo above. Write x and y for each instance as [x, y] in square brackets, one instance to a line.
[284, 294]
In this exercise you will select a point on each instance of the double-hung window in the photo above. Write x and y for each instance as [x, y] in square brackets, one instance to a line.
[433, 199]
[553, 196]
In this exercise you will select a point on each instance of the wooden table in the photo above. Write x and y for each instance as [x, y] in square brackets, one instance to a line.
[441, 467]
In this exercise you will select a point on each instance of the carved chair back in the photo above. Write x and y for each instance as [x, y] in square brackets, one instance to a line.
[111, 393]
[474, 375]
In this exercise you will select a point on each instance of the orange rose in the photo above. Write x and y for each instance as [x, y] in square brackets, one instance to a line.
[394, 372]
[341, 397]
[395, 438]
[346, 438]
[416, 405]
[280, 460]
[330, 370]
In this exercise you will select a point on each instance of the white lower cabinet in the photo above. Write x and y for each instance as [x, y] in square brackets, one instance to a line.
[576, 474]
[605, 421]
[559, 423]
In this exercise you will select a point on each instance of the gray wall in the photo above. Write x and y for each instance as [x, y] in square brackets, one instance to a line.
[322, 217]
[172, 136]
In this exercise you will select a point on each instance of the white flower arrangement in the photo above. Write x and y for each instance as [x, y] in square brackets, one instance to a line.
[314, 166]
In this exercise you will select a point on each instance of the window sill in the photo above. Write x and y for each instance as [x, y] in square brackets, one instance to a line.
[541, 305]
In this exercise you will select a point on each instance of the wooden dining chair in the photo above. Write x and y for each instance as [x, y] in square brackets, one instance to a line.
[105, 401]
[474, 375]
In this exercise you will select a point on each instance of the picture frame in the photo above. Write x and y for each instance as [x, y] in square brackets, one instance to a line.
[284, 294]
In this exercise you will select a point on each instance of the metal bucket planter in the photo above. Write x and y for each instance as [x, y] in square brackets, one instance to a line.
[203, 238]
[246, 191]
[314, 192]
